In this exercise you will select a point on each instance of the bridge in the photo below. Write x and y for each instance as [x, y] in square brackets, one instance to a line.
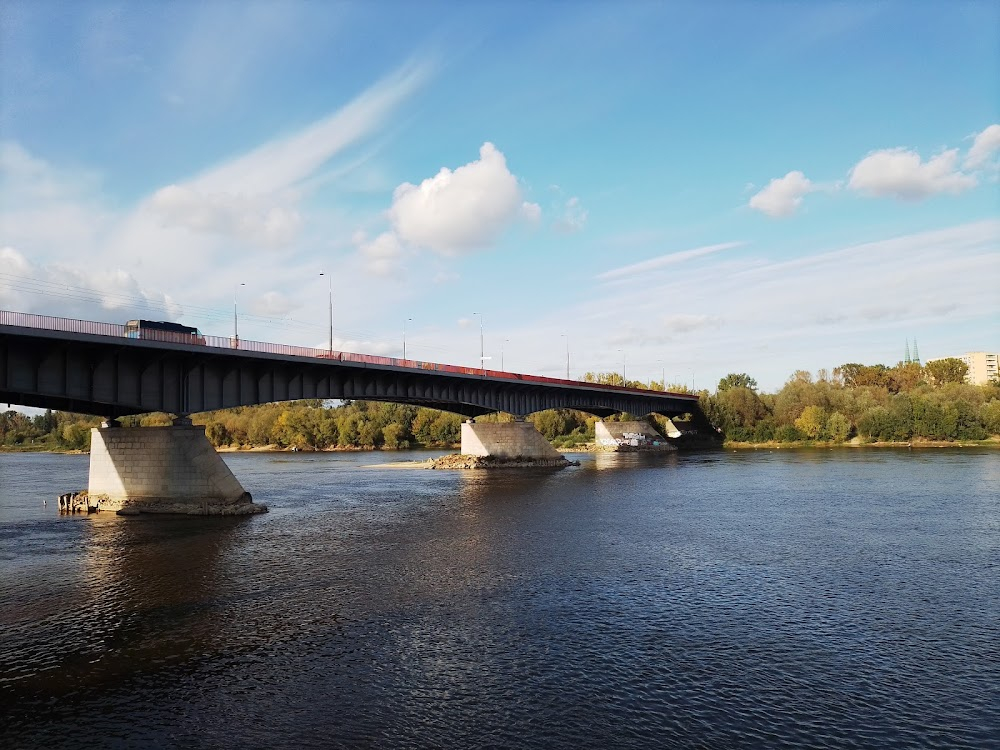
[109, 370]
[95, 368]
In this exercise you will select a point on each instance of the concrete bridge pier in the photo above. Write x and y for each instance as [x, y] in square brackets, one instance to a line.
[163, 470]
[639, 435]
[507, 441]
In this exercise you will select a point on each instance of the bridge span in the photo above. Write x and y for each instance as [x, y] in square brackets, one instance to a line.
[113, 370]
[95, 368]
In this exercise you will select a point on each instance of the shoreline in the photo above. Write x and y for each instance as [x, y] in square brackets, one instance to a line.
[992, 442]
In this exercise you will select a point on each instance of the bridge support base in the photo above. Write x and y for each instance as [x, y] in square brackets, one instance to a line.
[507, 440]
[163, 470]
[629, 436]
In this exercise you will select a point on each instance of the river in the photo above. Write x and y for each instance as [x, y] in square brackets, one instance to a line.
[846, 598]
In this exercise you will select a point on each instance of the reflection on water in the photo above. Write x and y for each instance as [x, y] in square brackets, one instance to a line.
[806, 598]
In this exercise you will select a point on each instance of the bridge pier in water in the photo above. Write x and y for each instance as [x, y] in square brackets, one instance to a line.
[637, 435]
[506, 440]
[163, 470]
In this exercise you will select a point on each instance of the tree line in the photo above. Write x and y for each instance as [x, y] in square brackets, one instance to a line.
[871, 402]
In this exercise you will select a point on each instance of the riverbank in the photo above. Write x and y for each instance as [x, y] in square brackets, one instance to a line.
[993, 442]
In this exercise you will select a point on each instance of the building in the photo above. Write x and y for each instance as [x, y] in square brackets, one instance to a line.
[983, 367]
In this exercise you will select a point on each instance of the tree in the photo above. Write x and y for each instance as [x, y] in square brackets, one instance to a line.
[811, 422]
[736, 380]
[905, 376]
[855, 375]
[394, 436]
[948, 370]
[838, 427]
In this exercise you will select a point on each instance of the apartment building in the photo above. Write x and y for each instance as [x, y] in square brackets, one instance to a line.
[983, 366]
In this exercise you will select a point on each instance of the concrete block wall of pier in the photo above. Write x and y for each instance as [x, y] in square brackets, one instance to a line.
[163, 470]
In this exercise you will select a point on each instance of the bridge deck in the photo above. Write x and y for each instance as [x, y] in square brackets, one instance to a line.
[99, 368]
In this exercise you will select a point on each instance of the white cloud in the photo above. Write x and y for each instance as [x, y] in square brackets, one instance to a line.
[95, 295]
[195, 238]
[532, 212]
[270, 221]
[986, 144]
[253, 197]
[644, 267]
[900, 173]
[382, 254]
[461, 210]
[783, 195]
[773, 315]
[573, 218]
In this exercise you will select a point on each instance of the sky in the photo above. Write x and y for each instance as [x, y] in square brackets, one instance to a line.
[677, 189]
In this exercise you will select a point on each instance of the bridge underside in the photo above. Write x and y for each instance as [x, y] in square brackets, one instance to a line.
[116, 377]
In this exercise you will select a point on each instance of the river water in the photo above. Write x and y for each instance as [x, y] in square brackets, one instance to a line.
[845, 598]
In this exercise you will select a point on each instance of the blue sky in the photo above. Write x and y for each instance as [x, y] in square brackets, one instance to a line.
[692, 188]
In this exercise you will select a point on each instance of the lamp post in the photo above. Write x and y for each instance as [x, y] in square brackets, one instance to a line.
[624, 378]
[236, 326]
[566, 336]
[482, 352]
[663, 374]
[501, 354]
[330, 278]
[404, 336]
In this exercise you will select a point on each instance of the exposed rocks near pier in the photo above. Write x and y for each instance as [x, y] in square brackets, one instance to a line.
[461, 461]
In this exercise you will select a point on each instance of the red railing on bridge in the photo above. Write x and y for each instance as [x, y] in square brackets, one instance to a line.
[115, 330]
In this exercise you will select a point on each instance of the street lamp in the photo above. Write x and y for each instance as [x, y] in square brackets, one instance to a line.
[236, 327]
[624, 378]
[330, 278]
[482, 352]
[501, 353]
[566, 336]
[663, 374]
[404, 336]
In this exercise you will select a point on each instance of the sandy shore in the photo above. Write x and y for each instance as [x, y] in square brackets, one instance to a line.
[426, 464]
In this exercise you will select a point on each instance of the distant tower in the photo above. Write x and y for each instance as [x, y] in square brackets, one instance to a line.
[906, 359]
[916, 354]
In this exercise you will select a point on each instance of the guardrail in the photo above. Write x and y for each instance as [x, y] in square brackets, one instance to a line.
[116, 330]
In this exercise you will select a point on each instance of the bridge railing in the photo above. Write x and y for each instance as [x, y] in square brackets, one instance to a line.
[116, 330]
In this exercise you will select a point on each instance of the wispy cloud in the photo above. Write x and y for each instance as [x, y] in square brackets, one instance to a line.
[212, 222]
[284, 162]
[254, 197]
[663, 261]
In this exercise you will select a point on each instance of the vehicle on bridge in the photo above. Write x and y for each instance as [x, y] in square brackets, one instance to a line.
[162, 330]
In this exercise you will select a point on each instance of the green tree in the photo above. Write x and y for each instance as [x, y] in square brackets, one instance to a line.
[811, 422]
[394, 436]
[855, 375]
[905, 376]
[989, 415]
[838, 427]
[737, 380]
[217, 434]
[948, 370]
[446, 429]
